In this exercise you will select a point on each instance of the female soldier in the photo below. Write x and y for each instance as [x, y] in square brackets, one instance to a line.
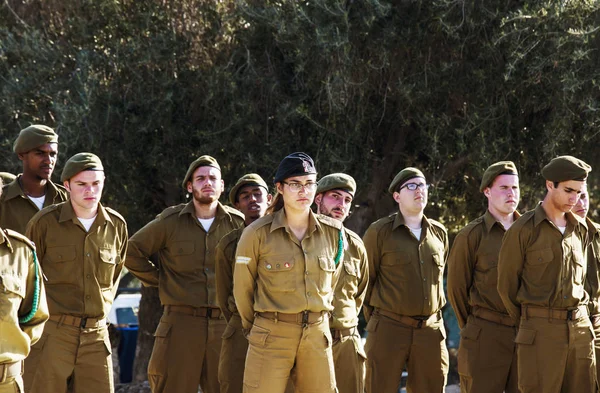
[285, 263]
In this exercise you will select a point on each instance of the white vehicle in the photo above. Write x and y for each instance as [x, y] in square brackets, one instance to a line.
[124, 311]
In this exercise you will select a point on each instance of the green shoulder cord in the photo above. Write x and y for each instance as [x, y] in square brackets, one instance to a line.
[340, 250]
[36, 294]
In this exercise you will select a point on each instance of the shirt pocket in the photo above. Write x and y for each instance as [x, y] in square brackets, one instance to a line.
[536, 268]
[486, 270]
[278, 274]
[106, 268]
[326, 270]
[58, 265]
[182, 253]
[395, 258]
[578, 267]
[12, 291]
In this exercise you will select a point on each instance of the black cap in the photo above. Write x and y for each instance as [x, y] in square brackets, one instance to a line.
[296, 164]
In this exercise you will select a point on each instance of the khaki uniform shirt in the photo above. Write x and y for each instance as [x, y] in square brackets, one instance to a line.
[473, 267]
[17, 286]
[224, 267]
[185, 274]
[405, 273]
[351, 287]
[82, 268]
[16, 209]
[592, 278]
[541, 267]
[275, 272]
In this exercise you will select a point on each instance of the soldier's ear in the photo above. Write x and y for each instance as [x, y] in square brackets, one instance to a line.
[66, 184]
[269, 198]
[318, 199]
[487, 192]
[189, 187]
[396, 196]
[222, 186]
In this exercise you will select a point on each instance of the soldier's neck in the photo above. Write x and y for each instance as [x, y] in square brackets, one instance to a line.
[205, 211]
[505, 219]
[298, 222]
[85, 213]
[555, 215]
[32, 185]
[412, 220]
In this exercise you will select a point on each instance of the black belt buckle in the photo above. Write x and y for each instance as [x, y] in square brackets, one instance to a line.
[570, 314]
[83, 322]
[305, 317]
[209, 312]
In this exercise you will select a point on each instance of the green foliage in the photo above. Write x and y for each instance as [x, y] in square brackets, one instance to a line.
[364, 86]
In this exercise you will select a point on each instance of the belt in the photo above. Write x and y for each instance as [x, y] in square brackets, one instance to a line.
[554, 313]
[337, 334]
[493, 316]
[9, 370]
[415, 321]
[302, 318]
[207, 312]
[80, 322]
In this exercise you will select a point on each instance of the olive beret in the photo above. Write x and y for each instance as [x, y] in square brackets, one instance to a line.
[250, 179]
[200, 161]
[296, 164]
[565, 168]
[81, 162]
[404, 175]
[337, 181]
[7, 177]
[495, 170]
[33, 136]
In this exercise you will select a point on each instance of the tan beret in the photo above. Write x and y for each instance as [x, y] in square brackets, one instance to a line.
[7, 177]
[404, 175]
[565, 168]
[200, 161]
[250, 179]
[337, 181]
[34, 136]
[81, 162]
[495, 170]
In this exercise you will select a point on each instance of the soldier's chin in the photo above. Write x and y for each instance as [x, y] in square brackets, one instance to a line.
[206, 200]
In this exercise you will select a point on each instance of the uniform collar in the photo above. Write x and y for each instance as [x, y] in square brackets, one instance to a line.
[280, 221]
[191, 210]
[13, 189]
[539, 215]
[68, 214]
[399, 221]
[489, 220]
[592, 227]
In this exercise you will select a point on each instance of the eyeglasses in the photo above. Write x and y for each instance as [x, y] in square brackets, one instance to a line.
[414, 186]
[296, 187]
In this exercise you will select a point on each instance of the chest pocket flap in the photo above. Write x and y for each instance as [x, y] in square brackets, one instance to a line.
[108, 255]
[539, 257]
[351, 267]
[438, 258]
[12, 284]
[60, 254]
[326, 264]
[182, 248]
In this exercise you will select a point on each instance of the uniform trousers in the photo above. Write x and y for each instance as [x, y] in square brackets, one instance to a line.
[487, 357]
[281, 350]
[391, 346]
[65, 354]
[186, 353]
[349, 362]
[556, 356]
[596, 328]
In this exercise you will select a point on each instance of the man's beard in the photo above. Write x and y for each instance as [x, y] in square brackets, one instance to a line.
[204, 200]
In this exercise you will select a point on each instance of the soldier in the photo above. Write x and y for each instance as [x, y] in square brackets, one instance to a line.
[283, 286]
[37, 148]
[407, 254]
[487, 360]
[81, 246]
[251, 196]
[592, 278]
[335, 193]
[188, 338]
[23, 307]
[541, 274]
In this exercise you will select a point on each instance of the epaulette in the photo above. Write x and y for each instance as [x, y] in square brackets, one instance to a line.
[353, 235]
[261, 222]
[116, 214]
[332, 222]
[437, 224]
[18, 236]
[233, 211]
[46, 210]
[169, 211]
[470, 226]
[232, 236]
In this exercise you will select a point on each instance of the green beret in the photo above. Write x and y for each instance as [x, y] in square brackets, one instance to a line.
[81, 162]
[34, 136]
[250, 179]
[404, 175]
[495, 170]
[200, 161]
[337, 181]
[566, 168]
[7, 177]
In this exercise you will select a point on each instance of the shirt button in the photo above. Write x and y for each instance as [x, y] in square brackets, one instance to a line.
[422, 262]
[306, 273]
[423, 280]
[206, 269]
[88, 275]
[425, 297]
[564, 297]
[308, 294]
[88, 297]
[539, 259]
[87, 255]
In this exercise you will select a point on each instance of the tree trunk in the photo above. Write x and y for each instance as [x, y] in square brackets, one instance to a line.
[149, 315]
